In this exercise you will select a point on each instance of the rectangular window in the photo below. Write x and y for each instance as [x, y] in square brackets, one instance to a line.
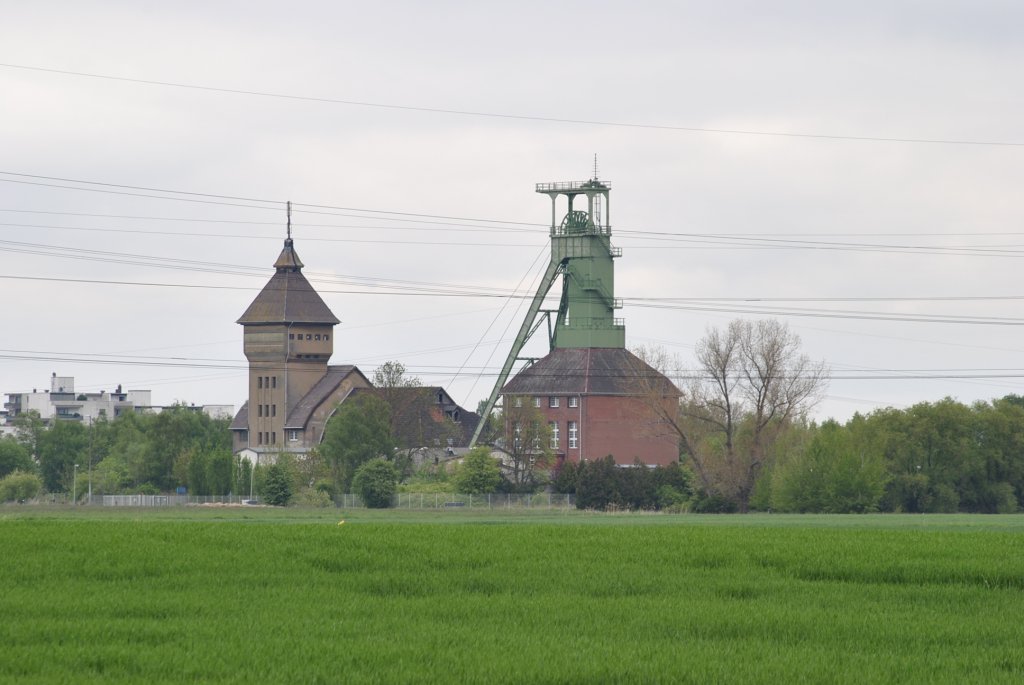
[259, 382]
[273, 410]
[517, 402]
[574, 435]
[553, 402]
[291, 336]
[273, 382]
[574, 401]
[273, 438]
[554, 434]
[327, 337]
[535, 428]
[259, 436]
[259, 411]
[293, 436]
[536, 401]
[316, 337]
[517, 435]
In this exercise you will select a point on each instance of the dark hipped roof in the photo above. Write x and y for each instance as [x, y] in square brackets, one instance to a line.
[418, 416]
[590, 371]
[298, 417]
[241, 421]
[288, 297]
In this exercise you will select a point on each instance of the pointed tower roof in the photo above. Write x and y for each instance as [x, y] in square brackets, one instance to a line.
[288, 297]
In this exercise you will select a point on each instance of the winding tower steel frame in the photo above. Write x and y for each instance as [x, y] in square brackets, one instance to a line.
[583, 255]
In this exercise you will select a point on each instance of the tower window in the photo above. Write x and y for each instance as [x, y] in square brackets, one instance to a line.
[273, 410]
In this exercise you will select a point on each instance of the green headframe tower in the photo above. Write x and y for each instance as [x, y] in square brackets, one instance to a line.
[583, 256]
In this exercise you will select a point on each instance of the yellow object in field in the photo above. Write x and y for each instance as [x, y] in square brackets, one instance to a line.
[341, 523]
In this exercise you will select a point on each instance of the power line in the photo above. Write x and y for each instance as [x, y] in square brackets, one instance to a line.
[518, 117]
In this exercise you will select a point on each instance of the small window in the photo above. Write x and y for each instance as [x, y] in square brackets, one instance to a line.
[517, 402]
[273, 438]
[259, 411]
[553, 402]
[309, 336]
[291, 336]
[536, 401]
[259, 436]
[274, 381]
[574, 435]
[259, 382]
[293, 435]
[574, 401]
[316, 337]
[273, 410]
[327, 337]
[554, 434]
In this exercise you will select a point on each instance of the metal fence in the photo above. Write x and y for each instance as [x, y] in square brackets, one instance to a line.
[403, 500]
[441, 500]
[172, 500]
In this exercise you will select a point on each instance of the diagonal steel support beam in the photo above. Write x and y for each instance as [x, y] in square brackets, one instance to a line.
[525, 331]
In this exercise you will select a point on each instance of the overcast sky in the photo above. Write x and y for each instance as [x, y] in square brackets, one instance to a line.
[766, 159]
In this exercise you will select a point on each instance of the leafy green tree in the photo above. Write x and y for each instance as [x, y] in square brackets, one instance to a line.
[19, 486]
[832, 475]
[375, 482]
[359, 431]
[597, 485]
[65, 444]
[277, 489]
[28, 430]
[14, 456]
[478, 473]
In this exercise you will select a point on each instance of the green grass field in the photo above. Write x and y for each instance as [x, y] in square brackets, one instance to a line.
[265, 595]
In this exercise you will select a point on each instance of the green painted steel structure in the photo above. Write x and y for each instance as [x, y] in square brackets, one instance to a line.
[583, 255]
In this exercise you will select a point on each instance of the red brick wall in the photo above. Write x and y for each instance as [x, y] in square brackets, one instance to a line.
[625, 427]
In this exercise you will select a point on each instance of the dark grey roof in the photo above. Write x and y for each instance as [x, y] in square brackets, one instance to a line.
[288, 297]
[298, 417]
[590, 371]
[241, 420]
[418, 417]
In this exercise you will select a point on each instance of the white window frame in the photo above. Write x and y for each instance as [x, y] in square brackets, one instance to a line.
[553, 402]
[574, 435]
[574, 401]
[554, 434]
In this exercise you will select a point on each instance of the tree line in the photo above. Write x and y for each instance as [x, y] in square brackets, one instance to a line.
[133, 453]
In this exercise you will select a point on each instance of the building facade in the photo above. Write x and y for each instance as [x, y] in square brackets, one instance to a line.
[596, 397]
[288, 338]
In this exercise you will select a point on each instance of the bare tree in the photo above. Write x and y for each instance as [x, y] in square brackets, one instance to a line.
[527, 442]
[751, 383]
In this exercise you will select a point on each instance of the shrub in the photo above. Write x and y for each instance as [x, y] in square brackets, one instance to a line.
[18, 486]
[375, 482]
[478, 473]
[277, 490]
